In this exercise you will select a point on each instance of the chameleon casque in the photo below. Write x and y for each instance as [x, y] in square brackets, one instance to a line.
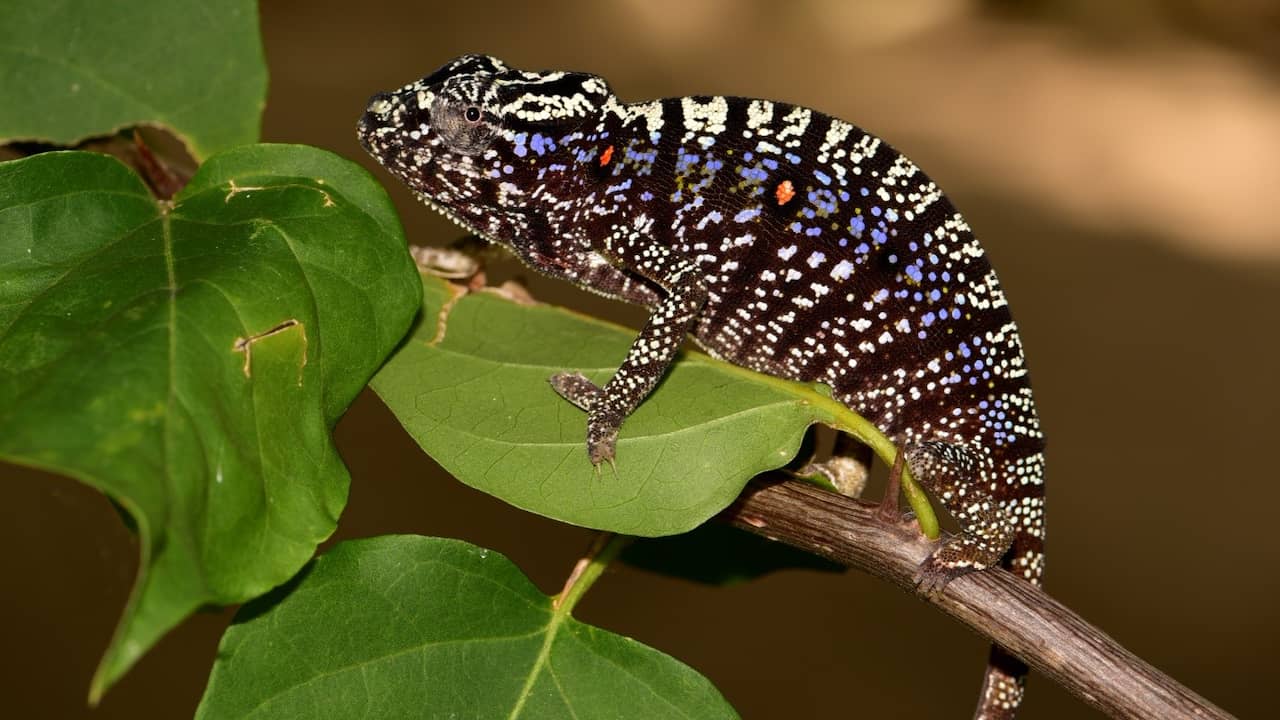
[783, 240]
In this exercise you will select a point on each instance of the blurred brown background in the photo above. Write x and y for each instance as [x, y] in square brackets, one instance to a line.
[1121, 162]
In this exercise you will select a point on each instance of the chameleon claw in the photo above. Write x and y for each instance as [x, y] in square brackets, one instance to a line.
[613, 467]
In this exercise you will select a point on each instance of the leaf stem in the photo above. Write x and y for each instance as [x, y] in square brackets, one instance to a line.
[604, 548]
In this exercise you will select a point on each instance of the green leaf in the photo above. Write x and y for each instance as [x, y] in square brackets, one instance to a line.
[124, 361]
[79, 68]
[718, 554]
[414, 627]
[478, 402]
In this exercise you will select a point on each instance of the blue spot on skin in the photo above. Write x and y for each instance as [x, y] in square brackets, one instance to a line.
[881, 295]
[935, 295]
[646, 196]
[714, 165]
[507, 169]
[754, 174]
[823, 178]
[654, 137]
[541, 144]
[844, 242]
[891, 215]
[844, 196]
[875, 210]
[922, 335]
[521, 151]
[878, 236]
[624, 185]
[792, 158]
[809, 213]
[857, 225]
[770, 163]
[913, 272]
[746, 215]
[824, 199]
[946, 276]
[902, 294]
[813, 232]
[928, 319]
[862, 249]
[795, 226]
[865, 192]
[918, 297]
[746, 156]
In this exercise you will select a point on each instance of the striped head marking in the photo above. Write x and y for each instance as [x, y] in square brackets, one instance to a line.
[457, 136]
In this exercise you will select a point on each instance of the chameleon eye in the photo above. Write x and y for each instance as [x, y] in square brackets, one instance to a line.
[472, 114]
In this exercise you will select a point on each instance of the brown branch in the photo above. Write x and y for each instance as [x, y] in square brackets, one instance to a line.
[1035, 627]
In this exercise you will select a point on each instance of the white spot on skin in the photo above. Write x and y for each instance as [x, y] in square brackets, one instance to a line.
[759, 114]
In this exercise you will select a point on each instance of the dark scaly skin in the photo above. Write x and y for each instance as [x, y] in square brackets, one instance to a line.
[783, 240]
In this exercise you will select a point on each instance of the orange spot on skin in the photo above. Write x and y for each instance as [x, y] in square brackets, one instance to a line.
[785, 192]
[606, 156]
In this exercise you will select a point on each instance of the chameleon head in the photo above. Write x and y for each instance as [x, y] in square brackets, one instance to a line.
[463, 138]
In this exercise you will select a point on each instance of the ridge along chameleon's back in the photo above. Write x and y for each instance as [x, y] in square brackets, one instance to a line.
[784, 240]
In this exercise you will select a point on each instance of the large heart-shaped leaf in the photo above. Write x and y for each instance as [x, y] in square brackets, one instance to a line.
[78, 68]
[477, 400]
[414, 627]
[190, 359]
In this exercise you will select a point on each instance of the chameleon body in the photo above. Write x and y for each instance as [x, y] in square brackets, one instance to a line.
[783, 240]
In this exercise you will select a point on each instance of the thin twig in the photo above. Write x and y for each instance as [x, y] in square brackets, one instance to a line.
[1035, 627]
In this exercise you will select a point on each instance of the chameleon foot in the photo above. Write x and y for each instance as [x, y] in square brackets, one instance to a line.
[933, 574]
[602, 438]
[602, 421]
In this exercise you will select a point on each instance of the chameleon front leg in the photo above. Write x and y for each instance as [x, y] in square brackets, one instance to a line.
[653, 350]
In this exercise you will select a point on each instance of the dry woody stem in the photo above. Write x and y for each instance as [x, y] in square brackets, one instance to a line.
[1044, 633]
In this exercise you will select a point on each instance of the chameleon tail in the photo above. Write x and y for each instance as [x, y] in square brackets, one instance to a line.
[1002, 686]
[1005, 677]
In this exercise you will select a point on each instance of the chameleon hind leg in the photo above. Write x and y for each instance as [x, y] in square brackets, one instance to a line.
[954, 475]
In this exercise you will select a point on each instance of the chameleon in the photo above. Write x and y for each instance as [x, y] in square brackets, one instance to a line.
[782, 240]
